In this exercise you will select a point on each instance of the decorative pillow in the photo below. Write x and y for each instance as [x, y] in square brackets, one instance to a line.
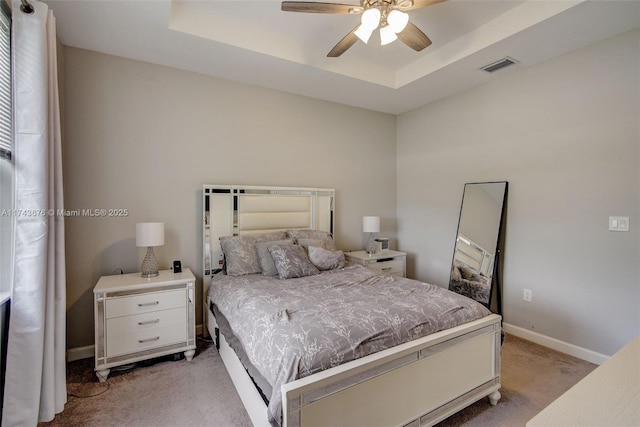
[325, 236]
[325, 259]
[266, 260]
[305, 243]
[240, 254]
[292, 261]
[268, 237]
[467, 272]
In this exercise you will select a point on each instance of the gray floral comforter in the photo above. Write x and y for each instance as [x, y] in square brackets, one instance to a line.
[296, 327]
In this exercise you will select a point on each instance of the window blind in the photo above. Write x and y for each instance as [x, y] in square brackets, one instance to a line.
[5, 86]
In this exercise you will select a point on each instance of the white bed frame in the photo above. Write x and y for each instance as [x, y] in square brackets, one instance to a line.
[418, 383]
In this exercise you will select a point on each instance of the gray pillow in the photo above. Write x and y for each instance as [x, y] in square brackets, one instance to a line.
[240, 255]
[325, 259]
[292, 261]
[266, 260]
[467, 272]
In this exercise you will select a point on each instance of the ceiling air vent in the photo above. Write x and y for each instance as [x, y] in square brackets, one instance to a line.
[499, 64]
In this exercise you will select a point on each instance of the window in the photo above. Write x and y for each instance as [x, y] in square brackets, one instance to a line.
[6, 164]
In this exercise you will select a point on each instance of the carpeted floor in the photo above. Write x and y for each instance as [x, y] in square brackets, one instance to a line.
[197, 393]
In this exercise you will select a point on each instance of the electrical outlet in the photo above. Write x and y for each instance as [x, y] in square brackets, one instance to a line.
[618, 223]
[527, 295]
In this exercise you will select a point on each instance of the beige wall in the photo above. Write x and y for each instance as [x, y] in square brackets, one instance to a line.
[145, 138]
[566, 135]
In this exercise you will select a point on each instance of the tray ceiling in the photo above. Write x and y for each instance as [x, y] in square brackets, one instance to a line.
[255, 42]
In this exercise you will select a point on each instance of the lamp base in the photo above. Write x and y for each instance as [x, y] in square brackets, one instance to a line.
[371, 245]
[149, 275]
[149, 264]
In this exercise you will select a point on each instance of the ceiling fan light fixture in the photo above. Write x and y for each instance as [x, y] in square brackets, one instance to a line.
[363, 33]
[370, 19]
[387, 35]
[397, 20]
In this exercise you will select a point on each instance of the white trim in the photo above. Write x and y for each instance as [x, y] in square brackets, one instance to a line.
[555, 344]
[251, 399]
[78, 353]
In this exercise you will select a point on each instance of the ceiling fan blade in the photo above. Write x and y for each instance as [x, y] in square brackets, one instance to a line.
[313, 7]
[344, 44]
[413, 37]
[417, 4]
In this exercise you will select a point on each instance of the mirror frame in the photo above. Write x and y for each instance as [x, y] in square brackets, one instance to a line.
[495, 293]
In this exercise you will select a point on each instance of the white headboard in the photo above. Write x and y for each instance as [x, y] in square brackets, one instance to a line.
[470, 253]
[234, 210]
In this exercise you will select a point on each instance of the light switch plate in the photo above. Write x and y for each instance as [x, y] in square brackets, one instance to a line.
[618, 223]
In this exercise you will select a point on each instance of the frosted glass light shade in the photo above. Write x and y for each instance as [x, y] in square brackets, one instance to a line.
[370, 19]
[149, 234]
[397, 20]
[371, 224]
[363, 33]
[387, 35]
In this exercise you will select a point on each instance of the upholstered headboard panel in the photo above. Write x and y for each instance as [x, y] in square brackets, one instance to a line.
[242, 209]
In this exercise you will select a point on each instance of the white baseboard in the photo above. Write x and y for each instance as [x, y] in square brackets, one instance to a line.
[78, 353]
[561, 346]
[87, 351]
[552, 343]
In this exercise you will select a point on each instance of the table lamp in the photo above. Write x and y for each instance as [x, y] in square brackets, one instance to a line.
[371, 225]
[149, 234]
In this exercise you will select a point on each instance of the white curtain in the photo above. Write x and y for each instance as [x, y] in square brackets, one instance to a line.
[35, 388]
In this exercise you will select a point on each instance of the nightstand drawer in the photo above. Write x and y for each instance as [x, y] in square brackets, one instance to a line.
[393, 267]
[130, 334]
[144, 303]
[144, 322]
[389, 262]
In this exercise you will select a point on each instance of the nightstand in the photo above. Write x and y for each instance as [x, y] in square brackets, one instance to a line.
[138, 318]
[389, 262]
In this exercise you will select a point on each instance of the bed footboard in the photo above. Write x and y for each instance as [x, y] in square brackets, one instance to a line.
[418, 383]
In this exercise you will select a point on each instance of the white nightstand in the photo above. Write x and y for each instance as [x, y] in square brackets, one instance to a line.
[389, 262]
[138, 318]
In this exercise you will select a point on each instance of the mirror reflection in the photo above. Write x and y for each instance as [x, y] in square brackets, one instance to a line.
[474, 266]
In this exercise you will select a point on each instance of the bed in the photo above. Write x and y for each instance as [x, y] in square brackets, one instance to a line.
[470, 282]
[418, 369]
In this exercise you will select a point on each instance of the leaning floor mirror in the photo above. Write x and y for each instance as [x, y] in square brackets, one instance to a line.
[476, 256]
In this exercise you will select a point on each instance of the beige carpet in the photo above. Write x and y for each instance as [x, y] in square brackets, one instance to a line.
[198, 393]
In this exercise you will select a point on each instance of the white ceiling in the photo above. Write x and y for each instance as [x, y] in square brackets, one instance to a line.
[255, 42]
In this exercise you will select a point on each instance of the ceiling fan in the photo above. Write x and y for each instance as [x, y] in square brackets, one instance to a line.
[388, 15]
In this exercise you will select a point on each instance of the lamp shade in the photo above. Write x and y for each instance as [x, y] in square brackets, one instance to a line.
[371, 224]
[397, 20]
[370, 19]
[387, 35]
[363, 33]
[150, 234]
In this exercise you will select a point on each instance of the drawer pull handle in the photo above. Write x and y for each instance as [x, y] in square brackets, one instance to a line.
[149, 340]
[147, 304]
[149, 322]
[387, 268]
